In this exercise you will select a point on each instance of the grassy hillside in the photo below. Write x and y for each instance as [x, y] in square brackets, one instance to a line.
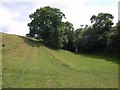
[27, 63]
[0, 61]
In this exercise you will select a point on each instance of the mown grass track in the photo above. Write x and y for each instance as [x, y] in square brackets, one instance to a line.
[29, 64]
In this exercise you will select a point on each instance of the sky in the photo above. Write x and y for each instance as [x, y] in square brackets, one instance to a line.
[14, 14]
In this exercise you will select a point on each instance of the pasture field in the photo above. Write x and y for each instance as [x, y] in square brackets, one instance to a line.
[29, 64]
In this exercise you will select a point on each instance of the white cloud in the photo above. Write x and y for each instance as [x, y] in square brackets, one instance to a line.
[94, 10]
[18, 27]
[7, 15]
[79, 13]
[76, 11]
[13, 21]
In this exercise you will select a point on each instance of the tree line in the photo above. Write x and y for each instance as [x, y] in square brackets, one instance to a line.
[101, 37]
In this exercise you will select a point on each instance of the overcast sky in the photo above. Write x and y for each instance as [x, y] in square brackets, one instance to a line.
[14, 14]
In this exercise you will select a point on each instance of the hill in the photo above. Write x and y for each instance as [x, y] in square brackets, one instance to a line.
[29, 64]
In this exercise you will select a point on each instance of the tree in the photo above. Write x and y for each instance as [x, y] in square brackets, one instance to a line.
[101, 25]
[114, 40]
[94, 38]
[77, 39]
[45, 24]
[84, 39]
[102, 20]
[68, 31]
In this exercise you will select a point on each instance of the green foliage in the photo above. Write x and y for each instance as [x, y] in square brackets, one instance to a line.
[67, 34]
[45, 24]
[114, 40]
[100, 37]
[94, 38]
[101, 27]
[102, 20]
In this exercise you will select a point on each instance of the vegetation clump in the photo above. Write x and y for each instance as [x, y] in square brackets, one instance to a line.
[101, 37]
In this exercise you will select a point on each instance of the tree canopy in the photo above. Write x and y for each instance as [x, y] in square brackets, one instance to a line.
[46, 23]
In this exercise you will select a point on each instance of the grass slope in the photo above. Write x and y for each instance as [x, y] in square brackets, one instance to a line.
[28, 64]
[0, 61]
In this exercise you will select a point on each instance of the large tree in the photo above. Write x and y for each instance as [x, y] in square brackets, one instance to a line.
[102, 20]
[46, 24]
[67, 33]
[101, 26]
[94, 38]
[114, 40]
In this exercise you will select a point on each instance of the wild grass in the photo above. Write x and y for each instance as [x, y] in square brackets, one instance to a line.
[28, 64]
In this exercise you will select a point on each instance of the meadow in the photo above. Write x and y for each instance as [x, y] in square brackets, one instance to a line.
[30, 64]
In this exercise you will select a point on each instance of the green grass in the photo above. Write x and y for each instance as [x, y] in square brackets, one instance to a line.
[29, 64]
[0, 61]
